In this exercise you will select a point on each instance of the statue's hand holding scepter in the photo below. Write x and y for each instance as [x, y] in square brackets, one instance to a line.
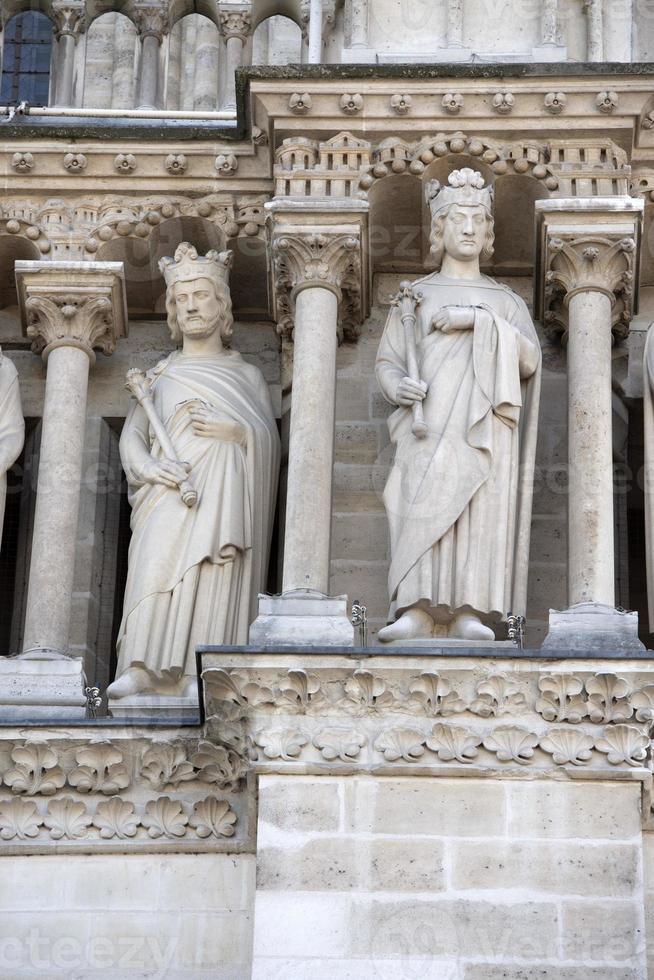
[138, 385]
[407, 300]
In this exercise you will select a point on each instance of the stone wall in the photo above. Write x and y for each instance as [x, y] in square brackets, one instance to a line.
[118, 916]
[448, 878]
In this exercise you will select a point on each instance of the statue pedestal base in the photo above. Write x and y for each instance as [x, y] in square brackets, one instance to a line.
[42, 685]
[590, 627]
[141, 707]
[301, 618]
[435, 644]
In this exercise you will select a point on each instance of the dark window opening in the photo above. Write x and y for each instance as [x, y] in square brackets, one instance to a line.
[26, 59]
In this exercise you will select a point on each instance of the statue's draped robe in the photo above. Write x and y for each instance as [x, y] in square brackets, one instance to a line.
[648, 410]
[194, 573]
[459, 501]
[12, 426]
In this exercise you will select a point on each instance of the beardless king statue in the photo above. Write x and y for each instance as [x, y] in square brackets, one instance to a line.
[458, 497]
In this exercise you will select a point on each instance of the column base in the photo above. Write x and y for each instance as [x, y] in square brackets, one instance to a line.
[302, 618]
[359, 56]
[590, 626]
[42, 684]
[436, 644]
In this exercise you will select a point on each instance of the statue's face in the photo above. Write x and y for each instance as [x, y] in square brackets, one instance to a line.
[464, 232]
[195, 305]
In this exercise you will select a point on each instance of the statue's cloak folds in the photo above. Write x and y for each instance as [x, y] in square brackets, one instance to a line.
[474, 385]
[236, 487]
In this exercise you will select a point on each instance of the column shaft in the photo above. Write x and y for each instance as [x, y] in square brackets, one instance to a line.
[315, 32]
[595, 30]
[234, 52]
[52, 564]
[311, 444]
[549, 22]
[65, 70]
[455, 23]
[590, 456]
[148, 75]
[359, 23]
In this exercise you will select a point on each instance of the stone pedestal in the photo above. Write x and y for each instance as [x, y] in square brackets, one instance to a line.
[591, 626]
[302, 618]
[153, 707]
[40, 686]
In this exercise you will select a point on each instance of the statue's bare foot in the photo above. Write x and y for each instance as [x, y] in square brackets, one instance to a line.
[467, 626]
[133, 681]
[413, 624]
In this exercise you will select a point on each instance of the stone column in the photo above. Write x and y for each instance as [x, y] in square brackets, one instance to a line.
[70, 310]
[151, 20]
[235, 26]
[315, 32]
[320, 286]
[359, 30]
[595, 30]
[586, 288]
[68, 16]
[455, 23]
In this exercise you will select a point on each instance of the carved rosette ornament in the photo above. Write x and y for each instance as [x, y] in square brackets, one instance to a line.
[588, 262]
[317, 258]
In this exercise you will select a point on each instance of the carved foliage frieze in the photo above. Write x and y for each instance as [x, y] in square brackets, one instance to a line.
[138, 791]
[363, 718]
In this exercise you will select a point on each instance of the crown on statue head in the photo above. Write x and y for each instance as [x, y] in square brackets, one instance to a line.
[188, 265]
[466, 188]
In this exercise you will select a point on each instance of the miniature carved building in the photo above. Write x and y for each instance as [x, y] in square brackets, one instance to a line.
[463, 799]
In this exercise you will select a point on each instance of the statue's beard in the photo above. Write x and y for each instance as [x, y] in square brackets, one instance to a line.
[199, 326]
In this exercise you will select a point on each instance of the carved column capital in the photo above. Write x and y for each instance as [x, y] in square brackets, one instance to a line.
[588, 246]
[68, 17]
[328, 17]
[310, 250]
[151, 19]
[66, 304]
[235, 23]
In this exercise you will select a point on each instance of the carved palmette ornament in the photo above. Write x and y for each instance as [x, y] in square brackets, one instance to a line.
[511, 744]
[451, 743]
[338, 743]
[116, 818]
[67, 818]
[100, 769]
[164, 818]
[36, 770]
[166, 765]
[561, 698]
[19, 818]
[566, 745]
[401, 743]
[624, 744]
[213, 817]
[283, 743]
[607, 699]
[435, 695]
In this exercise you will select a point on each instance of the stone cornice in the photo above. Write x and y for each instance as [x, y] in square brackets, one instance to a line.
[587, 245]
[314, 246]
[72, 304]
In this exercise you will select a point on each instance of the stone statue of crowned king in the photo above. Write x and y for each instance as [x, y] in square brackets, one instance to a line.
[197, 559]
[458, 498]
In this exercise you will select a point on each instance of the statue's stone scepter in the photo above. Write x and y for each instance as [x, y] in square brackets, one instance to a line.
[138, 384]
[408, 299]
